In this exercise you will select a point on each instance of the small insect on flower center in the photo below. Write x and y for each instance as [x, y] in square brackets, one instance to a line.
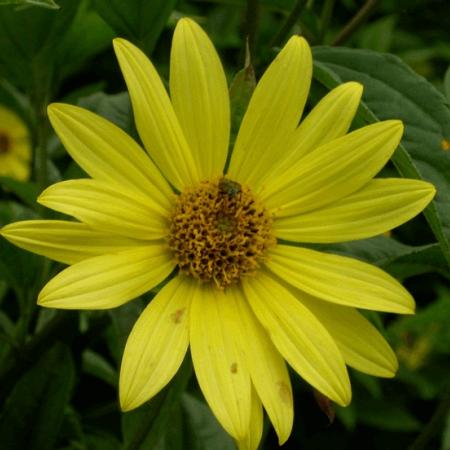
[4, 143]
[219, 232]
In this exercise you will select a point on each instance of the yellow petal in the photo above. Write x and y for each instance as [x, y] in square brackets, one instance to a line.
[11, 123]
[330, 119]
[361, 344]
[218, 362]
[107, 153]
[108, 281]
[155, 118]
[106, 208]
[273, 113]
[333, 170]
[199, 93]
[251, 442]
[382, 204]
[13, 167]
[157, 344]
[66, 242]
[339, 279]
[299, 337]
[15, 163]
[267, 368]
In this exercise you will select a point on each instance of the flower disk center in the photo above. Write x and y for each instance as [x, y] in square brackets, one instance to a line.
[4, 143]
[219, 232]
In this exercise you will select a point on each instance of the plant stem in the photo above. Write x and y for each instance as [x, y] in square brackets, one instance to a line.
[41, 148]
[355, 22]
[251, 24]
[291, 20]
[433, 426]
[325, 18]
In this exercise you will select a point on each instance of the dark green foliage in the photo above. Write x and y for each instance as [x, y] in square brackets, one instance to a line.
[59, 371]
[32, 413]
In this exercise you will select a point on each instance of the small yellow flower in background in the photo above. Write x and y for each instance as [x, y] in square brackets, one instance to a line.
[246, 297]
[15, 149]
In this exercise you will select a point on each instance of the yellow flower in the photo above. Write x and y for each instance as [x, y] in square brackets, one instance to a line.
[15, 150]
[245, 296]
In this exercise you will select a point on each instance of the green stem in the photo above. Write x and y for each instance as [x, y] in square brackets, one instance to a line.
[434, 425]
[359, 18]
[251, 23]
[291, 20]
[325, 18]
[41, 157]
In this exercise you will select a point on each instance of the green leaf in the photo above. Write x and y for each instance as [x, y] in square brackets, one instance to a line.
[87, 36]
[25, 190]
[378, 34]
[96, 365]
[241, 89]
[194, 427]
[102, 442]
[278, 5]
[116, 108]
[399, 259]
[140, 21]
[347, 415]
[18, 267]
[446, 434]
[29, 38]
[203, 432]
[123, 319]
[50, 4]
[393, 90]
[33, 412]
[447, 84]
[145, 427]
[386, 415]
[429, 325]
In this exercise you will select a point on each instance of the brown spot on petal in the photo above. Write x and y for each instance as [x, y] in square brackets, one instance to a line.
[234, 368]
[177, 316]
[284, 392]
[445, 145]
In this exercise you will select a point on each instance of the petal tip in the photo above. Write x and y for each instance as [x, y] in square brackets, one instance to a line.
[127, 401]
[299, 44]
[408, 308]
[187, 21]
[41, 197]
[55, 109]
[397, 125]
[431, 191]
[390, 372]
[41, 300]
[119, 41]
[355, 87]
[125, 404]
[345, 399]
[120, 44]
[52, 107]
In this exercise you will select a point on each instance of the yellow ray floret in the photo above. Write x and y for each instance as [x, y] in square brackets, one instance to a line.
[15, 146]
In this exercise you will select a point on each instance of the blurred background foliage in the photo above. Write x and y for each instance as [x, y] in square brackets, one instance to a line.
[59, 369]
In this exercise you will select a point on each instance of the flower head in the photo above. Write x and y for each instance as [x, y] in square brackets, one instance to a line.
[15, 149]
[246, 297]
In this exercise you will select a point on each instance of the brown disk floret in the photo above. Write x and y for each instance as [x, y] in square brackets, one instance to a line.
[219, 232]
[4, 143]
